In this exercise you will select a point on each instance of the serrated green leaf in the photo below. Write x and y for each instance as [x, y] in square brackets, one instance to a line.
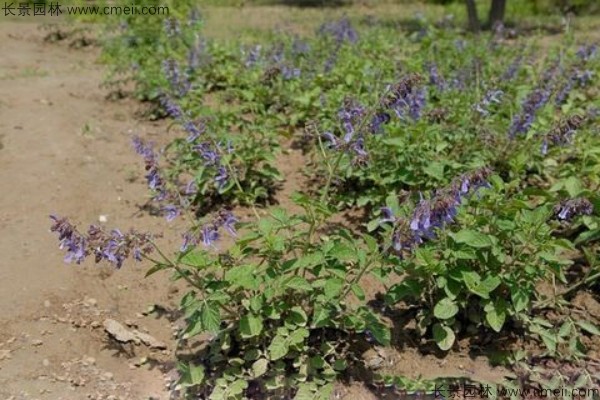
[472, 238]
[298, 283]
[211, 317]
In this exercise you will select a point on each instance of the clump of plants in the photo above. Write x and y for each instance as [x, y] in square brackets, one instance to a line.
[480, 178]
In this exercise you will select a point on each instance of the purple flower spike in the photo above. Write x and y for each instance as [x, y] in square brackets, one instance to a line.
[171, 212]
[387, 215]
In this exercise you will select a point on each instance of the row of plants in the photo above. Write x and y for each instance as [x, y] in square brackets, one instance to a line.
[475, 157]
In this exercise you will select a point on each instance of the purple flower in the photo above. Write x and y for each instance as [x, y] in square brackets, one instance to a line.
[586, 53]
[171, 107]
[171, 26]
[229, 221]
[221, 177]
[191, 187]
[209, 153]
[568, 209]
[341, 31]
[290, 73]
[523, 121]
[513, 68]
[209, 235]
[113, 247]
[387, 215]
[434, 77]
[253, 56]
[171, 212]
[491, 97]
[378, 120]
[194, 130]
[405, 98]
[180, 83]
[435, 213]
[563, 133]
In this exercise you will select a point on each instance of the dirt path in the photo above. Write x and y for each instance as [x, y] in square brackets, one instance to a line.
[65, 149]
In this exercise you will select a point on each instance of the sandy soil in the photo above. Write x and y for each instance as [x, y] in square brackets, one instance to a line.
[65, 149]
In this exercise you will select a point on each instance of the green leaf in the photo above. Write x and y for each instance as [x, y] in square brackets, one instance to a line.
[435, 169]
[519, 298]
[298, 316]
[472, 238]
[196, 374]
[588, 327]
[333, 287]
[211, 317]
[250, 326]
[195, 259]
[380, 332]
[573, 186]
[343, 252]
[298, 283]
[496, 318]
[242, 276]
[278, 348]
[237, 387]
[445, 309]
[444, 336]
[298, 336]
[260, 367]
[358, 291]
[309, 260]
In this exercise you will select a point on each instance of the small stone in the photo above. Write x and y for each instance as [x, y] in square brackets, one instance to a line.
[103, 218]
[46, 362]
[90, 360]
[90, 302]
[47, 303]
[37, 342]
[108, 376]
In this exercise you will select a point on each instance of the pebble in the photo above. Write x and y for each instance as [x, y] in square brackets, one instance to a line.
[103, 218]
[37, 342]
[46, 362]
[47, 303]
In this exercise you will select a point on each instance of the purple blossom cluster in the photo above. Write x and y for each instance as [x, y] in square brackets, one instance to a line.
[587, 52]
[153, 175]
[351, 117]
[576, 78]
[179, 82]
[535, 100]
[341, 31]
[523, 121]
[114, 246]
[172, 27]
[208, 234]
[435, 79]
[493, 96]
[253, 56]
[406, 97]
[568, 209]
[563, 133]
[433, 214]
